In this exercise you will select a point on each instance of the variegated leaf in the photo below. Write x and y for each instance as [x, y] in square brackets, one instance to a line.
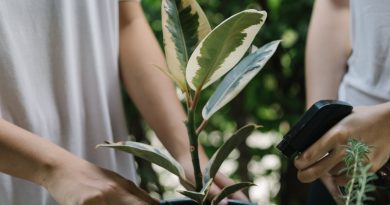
[184, 25]
[223, 152]
[253, 49]
[150, 154]
[196, 196]
[230, 190]
[200, 196]
[236, 80]
[223, 48]
[206, 188]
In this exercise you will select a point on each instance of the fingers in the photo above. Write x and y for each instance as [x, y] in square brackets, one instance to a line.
[338, 170]
[223, 181]
[134, 189]
[340, 180]
[87, 184]
[338, 174]
[330, 185]
[333, 138]
[323, 155]
[214, 191]
[131, 192]
[332, 188]
[378, 159]
[323, 166]
[114, 196]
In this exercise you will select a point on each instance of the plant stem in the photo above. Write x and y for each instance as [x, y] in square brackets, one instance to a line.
[201, 127]
[188, 100]
[194, 149]
[361, 193]
[195, 101]
[193, 137]
[352, 183]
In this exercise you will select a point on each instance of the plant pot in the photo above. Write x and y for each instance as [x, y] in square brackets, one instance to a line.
[190, 202]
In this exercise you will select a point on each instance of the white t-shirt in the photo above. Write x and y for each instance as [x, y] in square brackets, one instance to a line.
[59, 78]
[367, 81]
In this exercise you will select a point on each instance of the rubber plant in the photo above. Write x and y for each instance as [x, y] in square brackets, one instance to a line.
[198, 56]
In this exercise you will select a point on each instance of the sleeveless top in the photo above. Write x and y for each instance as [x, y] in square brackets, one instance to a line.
[59, 79]
[367, 81]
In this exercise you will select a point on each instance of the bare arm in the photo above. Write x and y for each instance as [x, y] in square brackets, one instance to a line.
[69, 179]
[328, 47]
[152, 92]
[21, 150]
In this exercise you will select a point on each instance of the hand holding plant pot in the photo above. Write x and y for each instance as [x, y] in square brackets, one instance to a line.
[197, 57]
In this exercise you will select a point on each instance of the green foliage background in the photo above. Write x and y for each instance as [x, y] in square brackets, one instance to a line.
[274, 99]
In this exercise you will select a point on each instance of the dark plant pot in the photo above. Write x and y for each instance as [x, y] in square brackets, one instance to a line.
[190, 202]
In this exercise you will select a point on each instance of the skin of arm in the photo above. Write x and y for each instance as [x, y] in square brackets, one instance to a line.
[327, 49]
[327, 52]
[153, 93]
[69, 179]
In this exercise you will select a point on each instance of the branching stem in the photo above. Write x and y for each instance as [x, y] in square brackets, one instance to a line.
[201, 127]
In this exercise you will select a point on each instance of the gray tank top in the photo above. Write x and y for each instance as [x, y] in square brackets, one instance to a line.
[59, 78]
[367, 80]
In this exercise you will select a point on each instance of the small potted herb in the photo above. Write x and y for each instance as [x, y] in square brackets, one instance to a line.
[198, 56]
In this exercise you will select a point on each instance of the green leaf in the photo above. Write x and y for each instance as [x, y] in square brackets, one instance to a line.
[223, 152]
[196, 196]
[206, 188]
[184, 25]
[200, 196]
[236, 80]
[223, 48]
[230, 190]
[150, 154]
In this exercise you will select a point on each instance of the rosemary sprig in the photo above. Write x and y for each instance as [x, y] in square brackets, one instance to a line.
[360, 176]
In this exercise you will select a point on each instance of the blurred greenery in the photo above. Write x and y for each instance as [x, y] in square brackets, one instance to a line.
[274, 99]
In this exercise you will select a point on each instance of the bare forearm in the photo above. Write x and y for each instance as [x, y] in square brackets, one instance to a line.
[25, 155]
[328, 47]
[69, 179]
[152, 92]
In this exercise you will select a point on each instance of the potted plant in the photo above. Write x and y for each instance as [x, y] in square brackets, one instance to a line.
[198, 56]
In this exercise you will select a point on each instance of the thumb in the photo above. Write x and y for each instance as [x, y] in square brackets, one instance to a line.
[134, 189]
[332, 188]
[213, 192]
[222, 181]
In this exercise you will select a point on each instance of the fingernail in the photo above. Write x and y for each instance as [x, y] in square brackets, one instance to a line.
[224, 202]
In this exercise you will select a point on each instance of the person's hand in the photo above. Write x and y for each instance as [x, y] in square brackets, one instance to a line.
[83, 183]
[220, 181]
[333, 189]
[369, 124]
